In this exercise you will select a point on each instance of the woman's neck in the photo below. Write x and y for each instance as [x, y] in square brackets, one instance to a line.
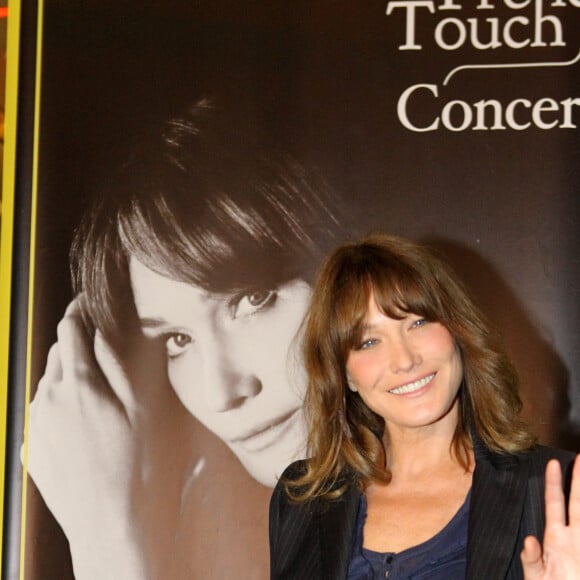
[420, 451]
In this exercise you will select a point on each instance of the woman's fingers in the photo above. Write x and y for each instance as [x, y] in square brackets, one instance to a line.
[531, 557]
[574, 501]
[554, 495]
[559, 557]
[85, 361]
[53, 363]
[75, 346]
[114, 373]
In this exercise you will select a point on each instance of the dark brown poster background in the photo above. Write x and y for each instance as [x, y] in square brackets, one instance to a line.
[499, 195]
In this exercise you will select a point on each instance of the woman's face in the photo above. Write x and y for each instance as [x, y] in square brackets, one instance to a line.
[407, 371]
[228, 361]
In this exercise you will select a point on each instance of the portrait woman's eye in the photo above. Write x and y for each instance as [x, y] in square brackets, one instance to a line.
[177, 343]
[248, 303]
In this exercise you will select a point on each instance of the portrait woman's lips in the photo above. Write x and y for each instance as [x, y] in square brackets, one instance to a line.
[266, 435]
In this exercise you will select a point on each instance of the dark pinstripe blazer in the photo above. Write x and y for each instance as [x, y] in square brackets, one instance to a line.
[312, 541]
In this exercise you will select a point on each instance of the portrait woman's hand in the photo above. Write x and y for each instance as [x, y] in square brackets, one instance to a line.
[558, 558]
[83, 453]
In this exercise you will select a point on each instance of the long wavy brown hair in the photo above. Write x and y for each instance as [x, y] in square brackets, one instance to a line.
[345, 436]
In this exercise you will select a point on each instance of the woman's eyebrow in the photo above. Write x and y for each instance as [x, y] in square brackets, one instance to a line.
[152, 322]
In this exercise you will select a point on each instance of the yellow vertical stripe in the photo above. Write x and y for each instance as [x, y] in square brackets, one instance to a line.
[6, 242]
[32, 261]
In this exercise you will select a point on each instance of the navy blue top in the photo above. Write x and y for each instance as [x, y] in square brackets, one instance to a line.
[443, 557]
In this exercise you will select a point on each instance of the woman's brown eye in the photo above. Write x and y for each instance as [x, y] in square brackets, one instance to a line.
[177, 343]
[258, 298]
[253, 302]
[181, 340]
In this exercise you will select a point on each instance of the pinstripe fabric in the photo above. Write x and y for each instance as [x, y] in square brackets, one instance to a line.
[312, 541]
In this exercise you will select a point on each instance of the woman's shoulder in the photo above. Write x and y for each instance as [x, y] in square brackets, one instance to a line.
[290, 501]
[298, 469]
[546, 452]
[532, 460]
[292, 483]
[284, 510]
[539, 456]
[294, 471]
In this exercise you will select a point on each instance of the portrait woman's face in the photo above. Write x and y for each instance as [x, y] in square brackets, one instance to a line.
[228, 361]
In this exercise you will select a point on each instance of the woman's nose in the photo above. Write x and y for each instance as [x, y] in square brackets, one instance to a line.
[227, 384]
[402, 356]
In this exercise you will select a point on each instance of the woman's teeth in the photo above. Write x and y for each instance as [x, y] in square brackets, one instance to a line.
[414, 386]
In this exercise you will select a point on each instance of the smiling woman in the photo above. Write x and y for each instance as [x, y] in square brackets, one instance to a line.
[414, 433]
[192, 273]
[414, 361]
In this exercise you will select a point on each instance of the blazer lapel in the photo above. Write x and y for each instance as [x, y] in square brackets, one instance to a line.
[336, 525]
[495, 512]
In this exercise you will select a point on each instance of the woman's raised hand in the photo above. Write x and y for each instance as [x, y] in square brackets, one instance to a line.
[558, 558]
[83, 454]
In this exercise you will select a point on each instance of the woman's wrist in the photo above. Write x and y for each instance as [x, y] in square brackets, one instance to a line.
[115, 551]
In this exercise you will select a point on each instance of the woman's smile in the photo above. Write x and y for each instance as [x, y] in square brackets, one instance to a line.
[413, 387]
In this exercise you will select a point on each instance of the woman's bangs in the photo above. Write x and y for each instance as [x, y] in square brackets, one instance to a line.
[350, 307]
[398, 293]
[230, 248]
[157, 241]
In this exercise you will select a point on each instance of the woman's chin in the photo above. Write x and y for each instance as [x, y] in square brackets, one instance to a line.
[268, 474]
[267, 465]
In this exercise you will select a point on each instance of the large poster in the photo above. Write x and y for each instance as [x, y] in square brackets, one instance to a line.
[195, 162]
